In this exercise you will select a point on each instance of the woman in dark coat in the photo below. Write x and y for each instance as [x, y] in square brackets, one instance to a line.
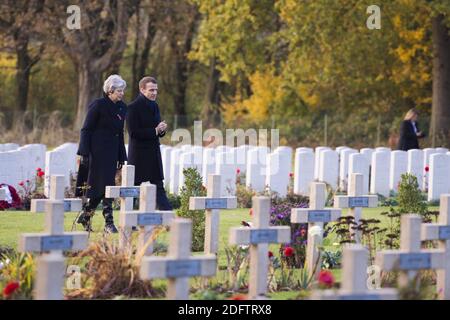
[102, 149]
[409, 132]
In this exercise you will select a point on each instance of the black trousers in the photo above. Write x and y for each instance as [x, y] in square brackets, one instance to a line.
[93, 203]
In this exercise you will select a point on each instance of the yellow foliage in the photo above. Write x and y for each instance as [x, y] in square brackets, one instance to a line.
[267, 93]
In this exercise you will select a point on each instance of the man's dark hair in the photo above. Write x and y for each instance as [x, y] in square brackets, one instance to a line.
[146, 80]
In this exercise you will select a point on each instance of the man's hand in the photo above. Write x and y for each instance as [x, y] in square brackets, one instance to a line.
[162, 126]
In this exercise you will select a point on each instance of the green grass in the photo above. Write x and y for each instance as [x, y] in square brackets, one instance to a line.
[14, 223]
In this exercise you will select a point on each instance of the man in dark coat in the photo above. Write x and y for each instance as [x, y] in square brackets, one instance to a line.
[102, 149]
[409, 132]
[145, 128]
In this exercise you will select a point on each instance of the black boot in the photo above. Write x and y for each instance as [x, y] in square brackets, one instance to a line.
[109, 219]
[85, 218]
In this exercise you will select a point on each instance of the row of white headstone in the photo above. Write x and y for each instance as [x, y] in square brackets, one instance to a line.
[179, 265]
[380, 167]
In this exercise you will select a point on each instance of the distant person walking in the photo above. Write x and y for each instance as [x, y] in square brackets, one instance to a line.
[410, 132]
[102, 149]
[145, 128]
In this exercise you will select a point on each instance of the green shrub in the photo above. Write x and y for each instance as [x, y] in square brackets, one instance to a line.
[410, 199]
[244, 196]
[193, 187]
[174, 200]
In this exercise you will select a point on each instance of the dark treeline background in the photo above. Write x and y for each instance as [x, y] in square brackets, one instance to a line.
[310, 68]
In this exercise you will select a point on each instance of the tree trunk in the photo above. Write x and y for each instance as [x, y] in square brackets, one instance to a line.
[210, 110]
[179, 94]
[440, 118]
[89, 88]
[23, 66]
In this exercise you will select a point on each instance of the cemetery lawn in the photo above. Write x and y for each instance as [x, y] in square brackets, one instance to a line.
[13, 223]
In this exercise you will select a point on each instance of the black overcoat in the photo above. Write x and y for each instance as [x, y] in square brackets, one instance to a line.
[408, 138]
[144, 152]
[102, 139]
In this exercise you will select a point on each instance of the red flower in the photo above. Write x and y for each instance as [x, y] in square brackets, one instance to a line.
[38, 169]
[238, 171]
[427, 168]
[21, 183]
[291, 175]
[326, 279]
[270, 254]
[288, 252]
[10, 288]
[251, 211]
[302, 232]
[40, 173]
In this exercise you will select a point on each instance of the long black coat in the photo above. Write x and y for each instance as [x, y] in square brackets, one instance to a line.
[408, 139]
[102, 139]
[143, 146]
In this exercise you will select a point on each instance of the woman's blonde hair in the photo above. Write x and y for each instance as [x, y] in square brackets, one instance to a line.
[410, 114]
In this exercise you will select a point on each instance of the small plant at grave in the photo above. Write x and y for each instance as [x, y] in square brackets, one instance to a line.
[280, 275]
[32, 189]
[193, 187]
[237, 267]
[331, 259]
[392, 234]
[418, 288]
[174, 200]
[240, 178]
[291, 184]
[410, 198]
[372, 235]
[244, 196]
[109, 271]
[343, 229]
[280, 215]
[17, 276]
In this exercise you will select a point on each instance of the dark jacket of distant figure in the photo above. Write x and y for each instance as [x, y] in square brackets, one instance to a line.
[102, 139]
[408, 138]
[143, 147]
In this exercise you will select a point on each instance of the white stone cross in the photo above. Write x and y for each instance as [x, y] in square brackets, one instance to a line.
[355, 200]
[213, 202]
[2, 194]
[178, 266]
[410, 258]
[126, 192]
[258, 237]
[52, 243]
[441, 232]
[57, 188]
[354, 279]
[147, 217]
[315, 215]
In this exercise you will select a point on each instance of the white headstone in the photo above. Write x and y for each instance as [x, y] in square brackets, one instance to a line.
[303, 171]
[343, 167]
[278, 170]
[329, 168]
[439, 176]
[317, 152]
[256, 169]
[358, 164]
[427, 152]
[415, 164]
[258, 237]
[178, 266]
[379, 178]
[399, 166]
[175, 171]
[209, 164]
